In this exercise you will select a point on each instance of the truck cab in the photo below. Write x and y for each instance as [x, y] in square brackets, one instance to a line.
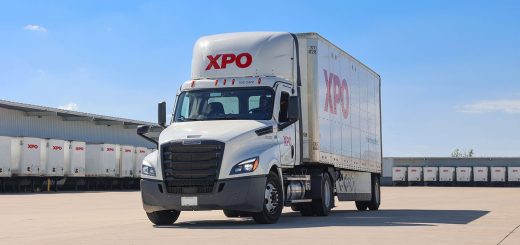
[235, 141]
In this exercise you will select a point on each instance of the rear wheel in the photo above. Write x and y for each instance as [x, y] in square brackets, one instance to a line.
[165, 217]
[273, 202]
[376, 194]
[322, 206]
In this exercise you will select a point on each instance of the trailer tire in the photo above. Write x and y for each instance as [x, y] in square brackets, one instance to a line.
[323, 205]
[164, 217]
[361, 205]
[273, 201]
[376, 193]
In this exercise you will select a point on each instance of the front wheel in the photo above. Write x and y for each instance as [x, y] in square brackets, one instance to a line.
[273, 203]
[164, 217]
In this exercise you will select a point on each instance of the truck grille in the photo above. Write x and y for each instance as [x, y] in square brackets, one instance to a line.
[191, 168]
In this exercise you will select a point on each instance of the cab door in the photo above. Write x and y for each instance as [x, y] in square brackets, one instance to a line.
[286, 134]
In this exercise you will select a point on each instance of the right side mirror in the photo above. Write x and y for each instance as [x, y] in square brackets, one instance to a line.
[293, 110]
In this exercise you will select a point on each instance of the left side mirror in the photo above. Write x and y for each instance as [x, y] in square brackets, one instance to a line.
[161, 114]
[293, 110]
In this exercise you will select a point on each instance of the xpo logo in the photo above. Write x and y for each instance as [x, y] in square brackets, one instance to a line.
[337, 93]
[110, 149]
[57, 148]
[32, 146]
[220, 61]
[128, 150]
[79, 148]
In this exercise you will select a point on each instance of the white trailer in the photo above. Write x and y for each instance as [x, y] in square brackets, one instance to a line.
[126, 161]
[75, 165]
[431, 174]
[480, 174]
[446, 174]
[399, 174]
[513, 174]
[289, 115]
[463, 174]
[101, 160]
[9, 154]
[57, 152]
[498, 174]
[32, 157]
[140, 154]
[414, 174]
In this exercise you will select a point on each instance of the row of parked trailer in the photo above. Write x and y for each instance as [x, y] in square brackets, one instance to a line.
[28, 157]
[432, 175]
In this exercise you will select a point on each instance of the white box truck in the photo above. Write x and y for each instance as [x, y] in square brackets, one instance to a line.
[32, 157]
[268, 119]
[75, 165]
[101, 160]
[463, 174]
[126, 161]
[9, 154]
[399, 174]
[480, 174]
[513, 174]
[414, 174]
[431, 174]
[446, 174]
[498, 174]
[57, 152]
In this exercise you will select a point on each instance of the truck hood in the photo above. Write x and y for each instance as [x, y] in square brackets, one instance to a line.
[221, 130]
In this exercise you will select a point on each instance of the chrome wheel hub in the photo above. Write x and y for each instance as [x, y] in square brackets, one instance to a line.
[271, 198]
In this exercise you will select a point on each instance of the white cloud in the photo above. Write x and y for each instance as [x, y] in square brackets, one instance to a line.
[70, 106]
[505, 106]
[34, 28]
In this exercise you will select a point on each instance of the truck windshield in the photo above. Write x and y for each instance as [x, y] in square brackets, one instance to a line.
[224, 104]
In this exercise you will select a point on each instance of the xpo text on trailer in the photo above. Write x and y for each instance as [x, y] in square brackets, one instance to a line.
[267, 120]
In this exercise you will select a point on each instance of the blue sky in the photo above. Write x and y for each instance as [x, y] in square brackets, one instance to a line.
[450, 69]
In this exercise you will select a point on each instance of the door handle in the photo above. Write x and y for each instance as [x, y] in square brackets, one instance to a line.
[292, 151]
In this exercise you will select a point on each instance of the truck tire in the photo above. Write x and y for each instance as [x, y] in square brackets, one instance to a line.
[235, 214]
[164, 217]
[361, 205]
[306, 209]
[376, 193]
[322, 206]
[273, 202]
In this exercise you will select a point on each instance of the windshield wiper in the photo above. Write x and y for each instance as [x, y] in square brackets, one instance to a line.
[227, 118]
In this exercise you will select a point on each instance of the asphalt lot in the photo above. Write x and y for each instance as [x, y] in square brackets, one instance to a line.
[408, 215]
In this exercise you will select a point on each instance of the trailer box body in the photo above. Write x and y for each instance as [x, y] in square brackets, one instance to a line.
[414, 174]
[57, 152]
[140, 154]
[431, 174]
[513, 174]
[399, 174]
[101, 160]
[9, 154]
[498, 174]
[32, 157]
[463, 174]
[75, 166]
[126, 161]
[480, 174]
[446, 174]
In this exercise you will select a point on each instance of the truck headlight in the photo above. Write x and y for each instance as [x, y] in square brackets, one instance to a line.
[148, 170]
[246, 166]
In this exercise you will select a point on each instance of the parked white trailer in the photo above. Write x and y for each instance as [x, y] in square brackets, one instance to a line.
[446, 174]
[75, 165]
[140, 154]
[399, 174]
[498, 174]
[513, 174]
[57, 152]
[463, 174]
[32, 157]
[274, 111]
[126, 161]
[480, 174]
[101, 160]
[9, 154]
[414, 174]
[431, 174]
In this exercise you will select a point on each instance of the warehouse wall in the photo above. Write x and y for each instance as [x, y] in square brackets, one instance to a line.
[16, 123]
